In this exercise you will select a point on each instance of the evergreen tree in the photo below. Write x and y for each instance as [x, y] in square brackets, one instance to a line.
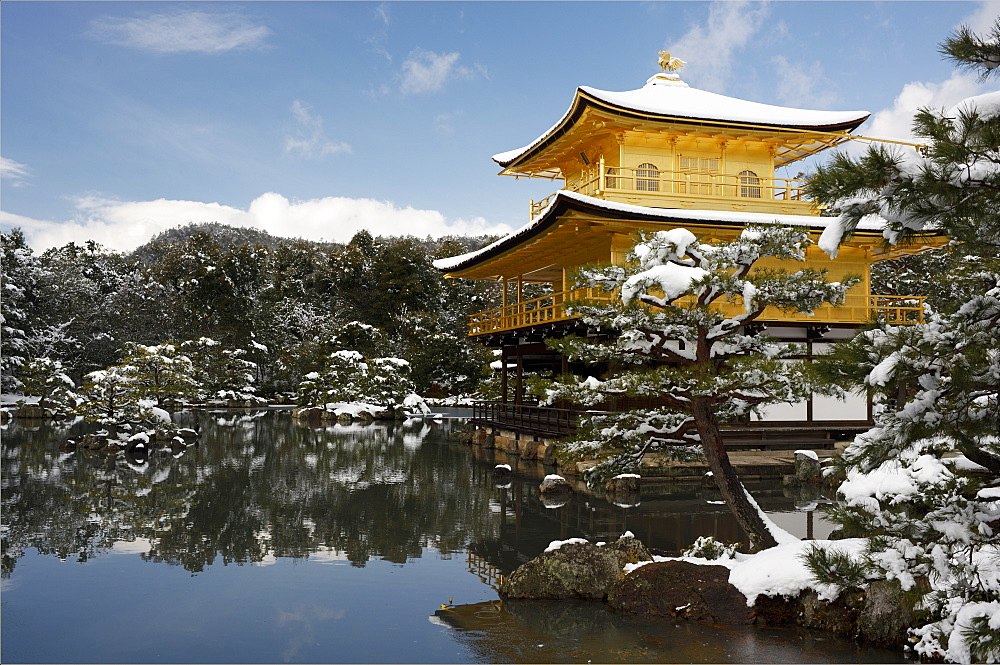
[675, 346]
[108, 398]
[19, 276]
[221, 372]
[929, 514]
[348, 377]
[46, 379]
[78, 326]
[160, 373]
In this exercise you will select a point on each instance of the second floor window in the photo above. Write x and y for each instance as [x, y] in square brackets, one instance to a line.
[749, 185]
[647, 178]
[610, 180]
[698, 175]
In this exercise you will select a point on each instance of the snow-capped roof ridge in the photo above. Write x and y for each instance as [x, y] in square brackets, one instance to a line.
[673, 97]
[666, 95]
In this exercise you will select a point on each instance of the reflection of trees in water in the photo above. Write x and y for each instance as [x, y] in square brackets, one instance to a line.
[539, 631]
[254, 487]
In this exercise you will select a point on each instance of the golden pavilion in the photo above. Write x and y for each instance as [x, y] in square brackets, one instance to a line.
[663, 156]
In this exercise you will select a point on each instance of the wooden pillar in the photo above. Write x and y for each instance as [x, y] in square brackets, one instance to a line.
[503, 374]
[520, 288]
[518, 507]
[519, 385]
[809, 400]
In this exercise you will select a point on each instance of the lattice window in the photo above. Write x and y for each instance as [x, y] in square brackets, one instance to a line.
[749, 185]
[698, 174]
[610, 179]
[647, 178]
[707, 164]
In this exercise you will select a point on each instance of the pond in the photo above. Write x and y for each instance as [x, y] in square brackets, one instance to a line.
[275, 542]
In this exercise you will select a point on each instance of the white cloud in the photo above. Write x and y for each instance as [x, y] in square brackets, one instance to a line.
[425, 71]
[182, 32]
[444, 123]
[981, 22]
[124, 225]
[710, 48]
[802, 85]
[13, 172]
[381, 35]
[382, 13]
[897, 121]
[308, 138]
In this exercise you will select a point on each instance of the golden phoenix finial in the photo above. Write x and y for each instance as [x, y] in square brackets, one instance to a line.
[667, 62]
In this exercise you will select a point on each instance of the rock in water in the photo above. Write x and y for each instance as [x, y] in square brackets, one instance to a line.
[889, 612]
[624, 483]
[807, 469]
[681, 589]
[553, 484]
[577, 569]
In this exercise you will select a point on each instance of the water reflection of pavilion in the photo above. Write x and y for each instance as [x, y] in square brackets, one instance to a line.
[668, 518]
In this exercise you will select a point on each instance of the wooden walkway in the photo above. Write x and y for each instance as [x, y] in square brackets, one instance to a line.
[552, 423]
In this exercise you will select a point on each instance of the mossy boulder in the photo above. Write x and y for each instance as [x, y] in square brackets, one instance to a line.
[681, 589]
[33, 412]
[577, 569]
[889, 612]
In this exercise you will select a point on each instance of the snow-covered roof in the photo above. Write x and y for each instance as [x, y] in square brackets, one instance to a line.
[667, 214]
[670, 97]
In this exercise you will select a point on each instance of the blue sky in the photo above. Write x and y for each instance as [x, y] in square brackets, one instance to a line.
[316, 119]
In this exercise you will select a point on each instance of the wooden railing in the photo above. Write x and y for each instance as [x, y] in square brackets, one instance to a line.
[484, 570]
[555, 423]
[600, 179]
[898, 310]
[857, 308]
[547, 309]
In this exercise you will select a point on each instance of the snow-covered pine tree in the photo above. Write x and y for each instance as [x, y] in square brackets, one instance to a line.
[387, 381]
[19, 276]
[159, 372]
[46, 379]
[348, 377]
[108, 398]
[220, 371]
[674, 345]
[930, 515]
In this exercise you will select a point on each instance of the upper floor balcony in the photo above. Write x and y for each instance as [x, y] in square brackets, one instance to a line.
[858, 309]
[706, 189]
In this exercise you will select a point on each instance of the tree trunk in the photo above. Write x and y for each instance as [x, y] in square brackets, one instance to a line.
[726, 479]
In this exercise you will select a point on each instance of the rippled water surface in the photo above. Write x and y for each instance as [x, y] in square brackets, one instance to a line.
[275, 542]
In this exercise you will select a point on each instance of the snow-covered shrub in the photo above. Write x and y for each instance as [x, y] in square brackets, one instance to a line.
[159, 372]
[46, 379]
[109, 397]
[707, 547]
[348, 377]
[221, 371]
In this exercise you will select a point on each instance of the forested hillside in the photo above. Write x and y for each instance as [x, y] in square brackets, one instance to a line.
[285, 302]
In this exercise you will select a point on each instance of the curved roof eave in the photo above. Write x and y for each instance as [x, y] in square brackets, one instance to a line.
[584, 98]
[566, 201]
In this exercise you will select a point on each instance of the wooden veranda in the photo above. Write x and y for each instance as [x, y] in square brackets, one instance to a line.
[557, 423]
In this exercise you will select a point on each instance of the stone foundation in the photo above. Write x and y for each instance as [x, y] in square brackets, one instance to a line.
[525, 446]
